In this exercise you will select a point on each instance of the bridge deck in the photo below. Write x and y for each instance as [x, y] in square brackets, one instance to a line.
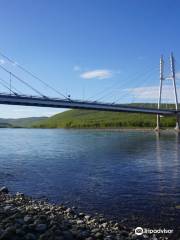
[24, 100]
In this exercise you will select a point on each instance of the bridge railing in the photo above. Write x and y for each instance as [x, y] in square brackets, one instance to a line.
[77, 101]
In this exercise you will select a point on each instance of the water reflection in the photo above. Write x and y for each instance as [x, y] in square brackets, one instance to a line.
[168, 157]
[159, 161]
[117, 173]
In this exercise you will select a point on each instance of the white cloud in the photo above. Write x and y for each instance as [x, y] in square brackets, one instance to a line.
[178, 75]
[98, 74]
[77, 68]
[152, 93]
[2, 61]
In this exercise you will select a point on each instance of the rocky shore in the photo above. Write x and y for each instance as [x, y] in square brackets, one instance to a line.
[22, 217]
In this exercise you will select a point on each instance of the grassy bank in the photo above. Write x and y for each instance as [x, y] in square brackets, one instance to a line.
[103, 119]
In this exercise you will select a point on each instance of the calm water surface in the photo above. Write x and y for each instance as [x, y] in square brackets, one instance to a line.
[125, 174]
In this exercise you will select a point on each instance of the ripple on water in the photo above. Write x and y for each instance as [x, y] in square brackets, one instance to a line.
[117, 173]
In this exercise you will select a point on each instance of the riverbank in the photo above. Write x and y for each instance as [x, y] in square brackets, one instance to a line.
[91, 119]
[135, 129]
[115, 129]
[102, 119]
[22, 217]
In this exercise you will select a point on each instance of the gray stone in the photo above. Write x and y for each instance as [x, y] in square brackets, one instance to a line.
[87, 217]
[68, 210]
[41, 227]
[8, 233]
[18, 194]
[44, 236]
[4, 190]
[68, 235]
[108, 238]
[93, 221]
[7, 208]
[1, 231]
[94, 230]
[19, 221]
[124, 234]
[81, 215]
[43, 218]
[20, 232]
[98, 235]
[28, 219]
[104, 225]
[83, 234]
[30, 236]
[79, 222]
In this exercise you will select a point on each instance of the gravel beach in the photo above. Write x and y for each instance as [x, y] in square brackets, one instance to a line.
[22, 217]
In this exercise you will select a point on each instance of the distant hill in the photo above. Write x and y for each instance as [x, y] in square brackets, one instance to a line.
[102, 119]
[5, 125]
[91, 119]
[21, 122]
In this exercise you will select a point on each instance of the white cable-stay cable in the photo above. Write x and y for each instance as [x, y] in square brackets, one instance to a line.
[127, 79]
[22, 81]
[32, 74]
[111, 93]
[136, 85]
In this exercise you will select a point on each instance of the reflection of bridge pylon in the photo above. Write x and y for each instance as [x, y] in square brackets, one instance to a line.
[173, 78]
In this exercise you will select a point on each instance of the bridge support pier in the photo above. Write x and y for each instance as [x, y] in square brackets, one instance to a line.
[157, 129]
[173, 78]
[177, 127]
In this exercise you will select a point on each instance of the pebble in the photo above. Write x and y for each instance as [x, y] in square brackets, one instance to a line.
[98, 235]
[41, 227]
[30, 236]
[87, 217]
[24, 218]
[20, 232]
[4, 190]
[27, 219]
[7, 208]
[18, 194]
[104, 225]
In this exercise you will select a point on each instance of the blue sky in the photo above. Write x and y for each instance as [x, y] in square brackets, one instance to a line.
[105, 49]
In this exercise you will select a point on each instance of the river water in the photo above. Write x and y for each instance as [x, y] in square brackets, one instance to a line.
[129, 175]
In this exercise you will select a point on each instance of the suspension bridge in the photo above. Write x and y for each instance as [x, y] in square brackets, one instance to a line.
[14, 97]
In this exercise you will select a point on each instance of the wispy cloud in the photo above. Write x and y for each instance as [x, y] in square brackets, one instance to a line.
[178, 75]
[151, 93]
[97, 74]
[2, 61]
[77, 68]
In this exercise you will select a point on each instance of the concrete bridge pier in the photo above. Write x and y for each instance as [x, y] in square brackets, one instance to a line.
[157, 129]
[172, 77]
[177, 127]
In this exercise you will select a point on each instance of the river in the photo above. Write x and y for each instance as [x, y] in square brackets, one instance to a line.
[129, 175]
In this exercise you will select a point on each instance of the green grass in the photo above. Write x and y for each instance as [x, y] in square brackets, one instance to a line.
[102, 119]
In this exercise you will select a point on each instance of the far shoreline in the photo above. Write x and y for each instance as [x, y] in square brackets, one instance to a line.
[138, 129]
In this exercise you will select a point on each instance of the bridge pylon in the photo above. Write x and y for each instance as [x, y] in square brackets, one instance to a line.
[162, 79]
